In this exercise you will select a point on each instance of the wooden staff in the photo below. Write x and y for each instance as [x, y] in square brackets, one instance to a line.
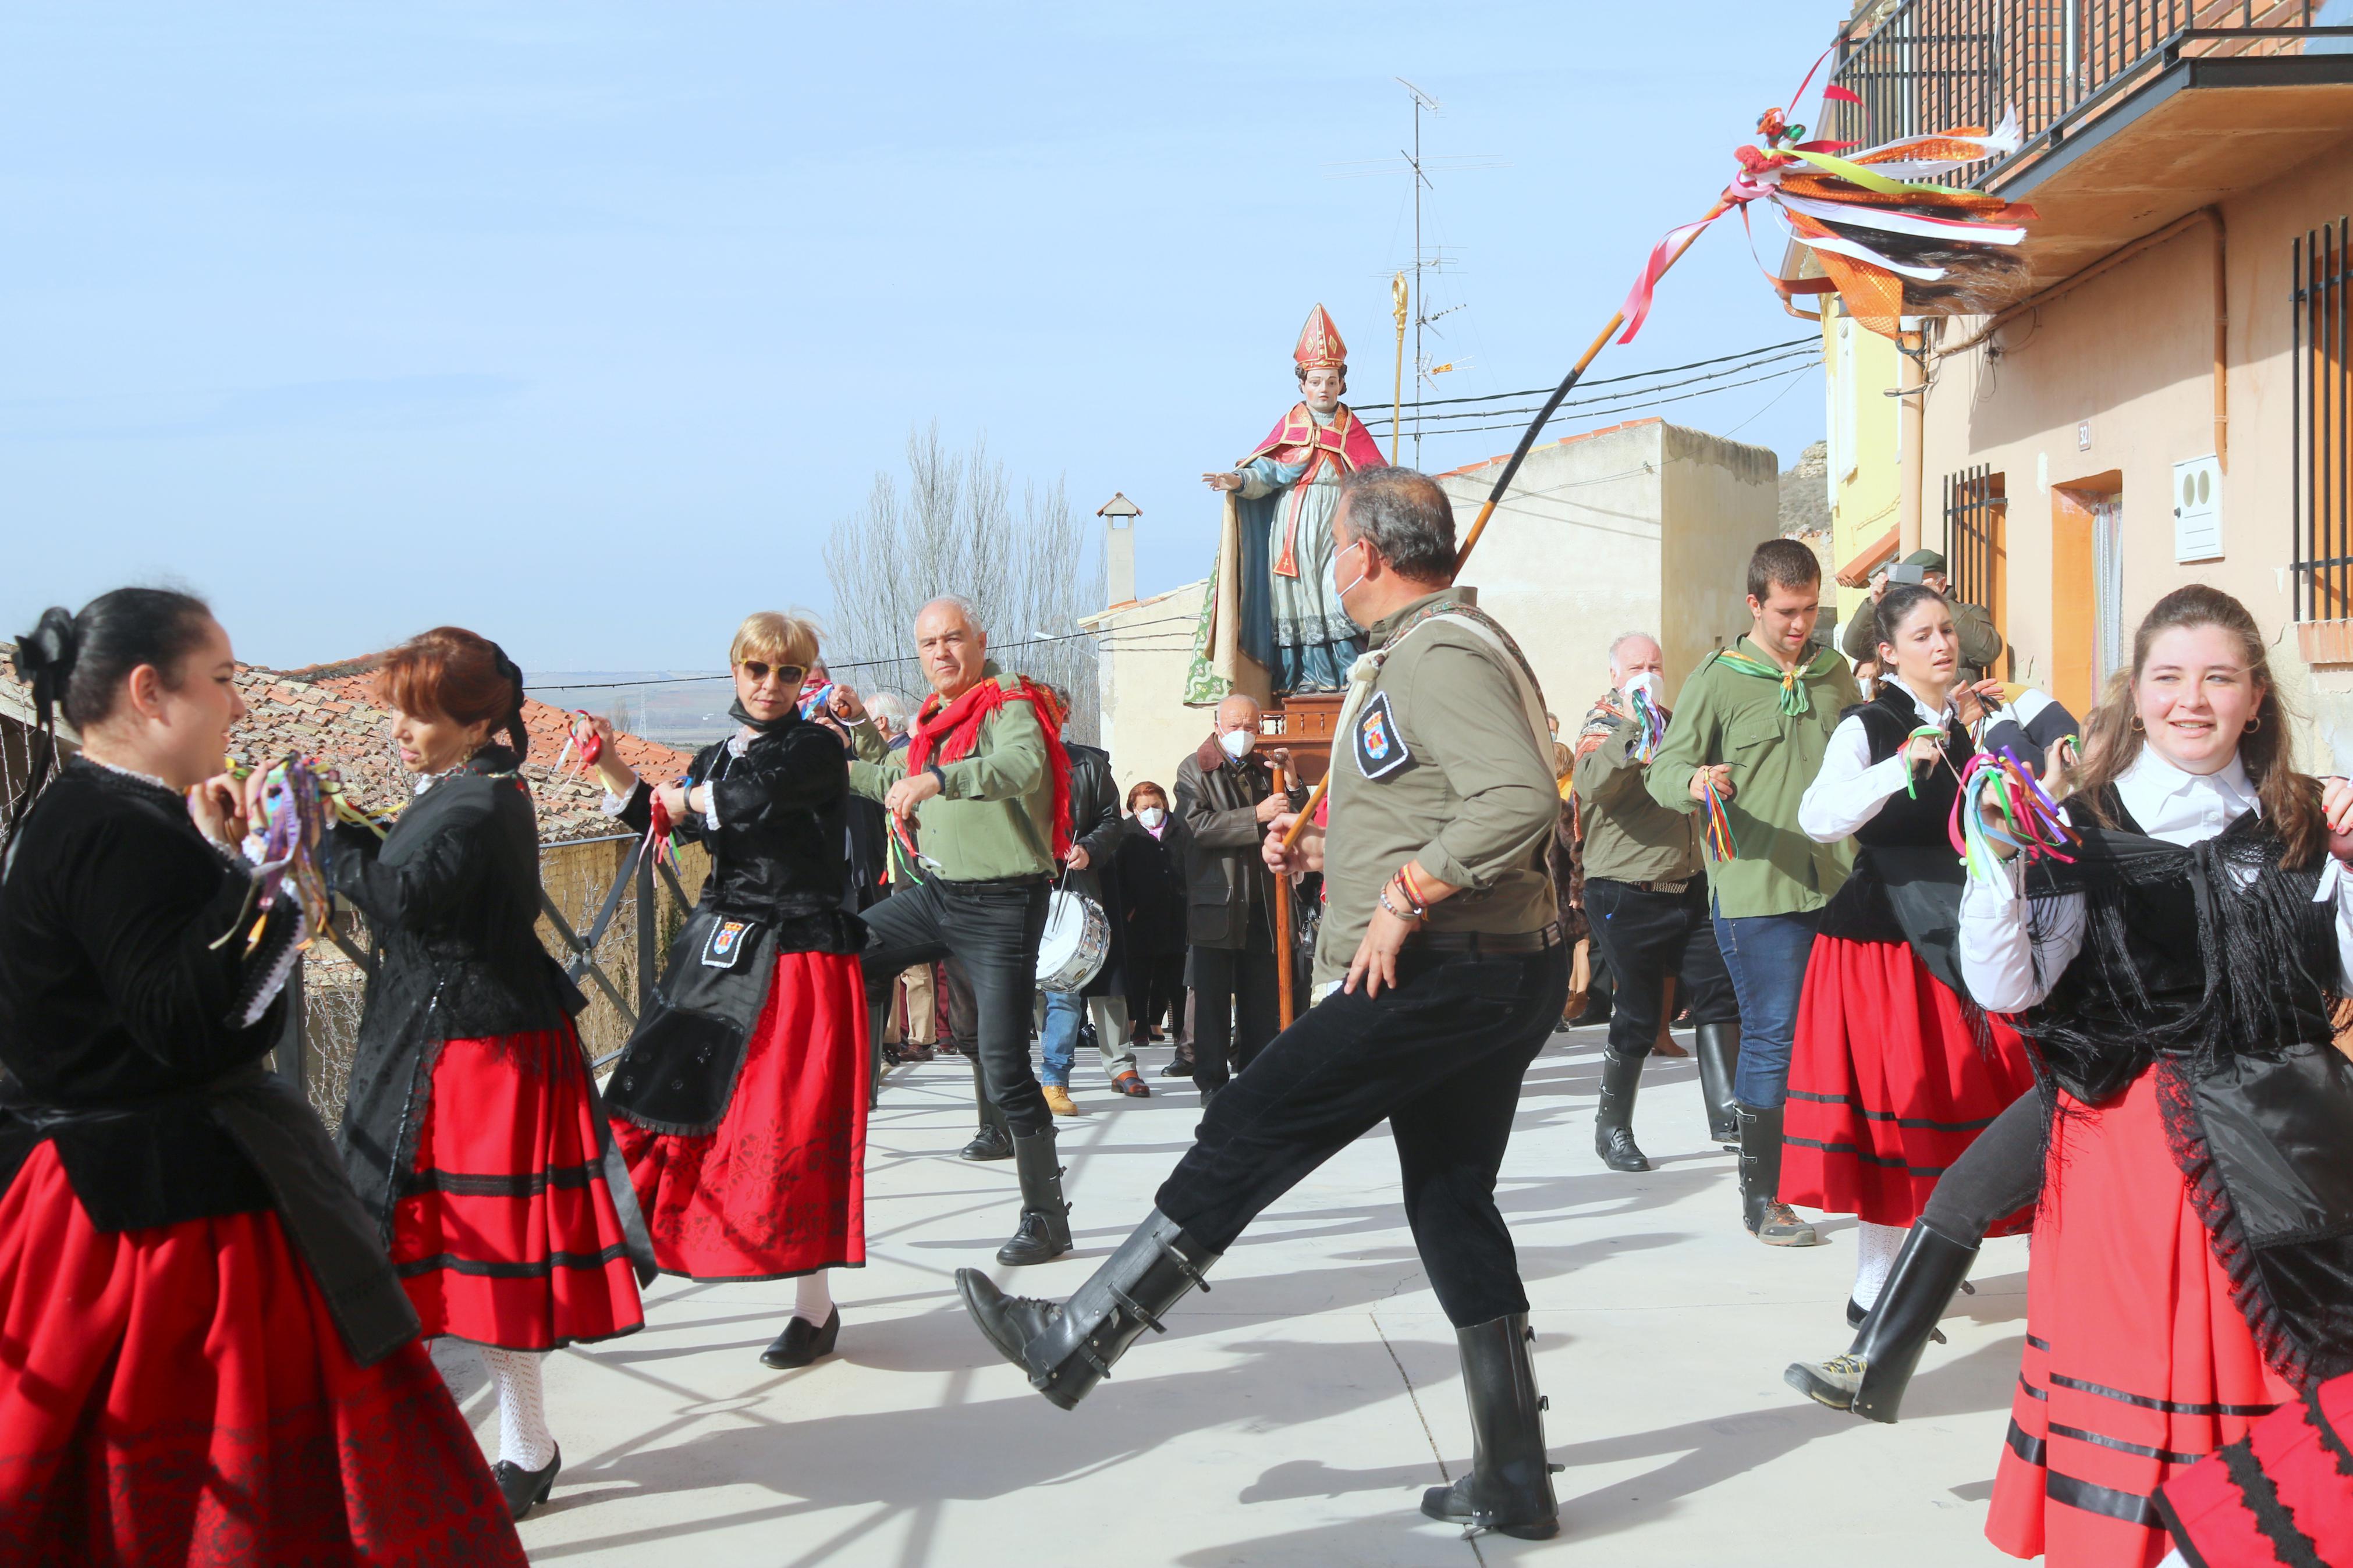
[1282, 983]
[1511, 468]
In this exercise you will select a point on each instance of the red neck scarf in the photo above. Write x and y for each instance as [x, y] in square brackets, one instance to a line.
[954, 730]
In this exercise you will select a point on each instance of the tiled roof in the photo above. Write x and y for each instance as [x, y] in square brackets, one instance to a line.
[328, 711]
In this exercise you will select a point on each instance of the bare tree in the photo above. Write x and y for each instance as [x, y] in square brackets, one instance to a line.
[950, 526]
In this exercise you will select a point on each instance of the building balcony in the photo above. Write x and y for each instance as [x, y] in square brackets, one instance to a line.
[2136, 113]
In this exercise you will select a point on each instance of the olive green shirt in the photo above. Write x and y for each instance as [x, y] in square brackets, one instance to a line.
[1440, 766]
[1629, 837]
[1981, 643]
[994, 817]
[1725, 715]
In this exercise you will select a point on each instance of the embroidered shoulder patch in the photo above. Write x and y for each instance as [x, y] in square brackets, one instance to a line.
[726, 944]
[1380, 750]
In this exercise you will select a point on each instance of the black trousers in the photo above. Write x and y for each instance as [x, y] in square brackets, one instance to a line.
[1236, 1007]
[1155, 985]
[991, 929]
[1648, 938]
[1441, 1058]
[1995, 1177]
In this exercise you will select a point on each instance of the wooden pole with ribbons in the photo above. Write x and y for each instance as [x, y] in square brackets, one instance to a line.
[1285, 988]
[1511, 468]
[1397, 402]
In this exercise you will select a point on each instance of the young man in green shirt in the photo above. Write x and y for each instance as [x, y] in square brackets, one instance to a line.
[1750, 729]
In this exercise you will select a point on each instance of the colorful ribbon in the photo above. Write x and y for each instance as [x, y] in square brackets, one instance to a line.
[1650, 721]
[2000, 801]
[1715, 827]
[1912, 774]
[582, 734]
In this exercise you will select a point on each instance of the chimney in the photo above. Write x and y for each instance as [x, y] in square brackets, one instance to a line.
[1119, 515]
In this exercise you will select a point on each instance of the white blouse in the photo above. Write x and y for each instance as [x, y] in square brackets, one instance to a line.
[2014, 949]
[1851, 787]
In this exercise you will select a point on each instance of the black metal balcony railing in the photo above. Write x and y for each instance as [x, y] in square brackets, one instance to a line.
[1931, 65]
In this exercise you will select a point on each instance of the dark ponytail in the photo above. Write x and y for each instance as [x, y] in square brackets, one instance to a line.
[78, 664]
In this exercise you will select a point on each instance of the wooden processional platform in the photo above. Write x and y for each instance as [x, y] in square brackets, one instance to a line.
[1303, 724]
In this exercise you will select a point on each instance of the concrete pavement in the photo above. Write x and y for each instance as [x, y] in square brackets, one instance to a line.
[1293, 1415]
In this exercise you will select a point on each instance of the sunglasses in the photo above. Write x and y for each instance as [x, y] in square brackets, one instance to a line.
[758, 670]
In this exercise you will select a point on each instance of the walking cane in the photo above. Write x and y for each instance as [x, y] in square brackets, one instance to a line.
[1282, 938]
[1511, 470]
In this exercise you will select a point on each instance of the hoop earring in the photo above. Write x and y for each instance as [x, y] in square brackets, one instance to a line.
[2136, 724]
[2254, 724]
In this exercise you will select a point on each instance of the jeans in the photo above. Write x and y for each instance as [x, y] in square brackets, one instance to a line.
[1440, 1058]
[1648, 939]
[1058, 1042]
[992, 929]
[1995, 1177]
[1766, 956]
[1236, 1005]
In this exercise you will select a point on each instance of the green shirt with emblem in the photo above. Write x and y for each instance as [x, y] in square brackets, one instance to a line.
[994, 817]
[1439, 765]
[1726, 714]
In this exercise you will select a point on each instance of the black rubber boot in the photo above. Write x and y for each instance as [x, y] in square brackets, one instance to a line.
[1870, 1379]
[1768, 1219]
[994, 1139]
[1717, 1046]
[1613, 1118]
[1067, 1348]
[1045, 1230]
[1509, 1488]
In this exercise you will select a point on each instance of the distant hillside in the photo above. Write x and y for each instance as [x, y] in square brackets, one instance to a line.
[688, 710]
[1805, 492]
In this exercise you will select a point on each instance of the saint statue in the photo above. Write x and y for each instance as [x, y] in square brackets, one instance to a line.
[1273, 622]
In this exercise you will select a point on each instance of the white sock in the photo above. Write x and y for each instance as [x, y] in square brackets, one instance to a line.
[812, 1299]
[1875, 1247]
[523, 1437]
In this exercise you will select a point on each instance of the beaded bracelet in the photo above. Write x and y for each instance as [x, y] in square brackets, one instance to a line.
[1418, 911]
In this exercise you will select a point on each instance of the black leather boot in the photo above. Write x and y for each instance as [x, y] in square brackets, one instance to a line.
[1613, 1118]
[1067, 1348]
[994, 1139]
[1045, 1230]
[1768, 1219]
[1870, 1379]
[1509, 1488]
[1717, 1046]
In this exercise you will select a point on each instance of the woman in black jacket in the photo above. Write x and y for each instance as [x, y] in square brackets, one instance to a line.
[741, 1100]
[207, 1358]
[472, 1133]
[1150, 871]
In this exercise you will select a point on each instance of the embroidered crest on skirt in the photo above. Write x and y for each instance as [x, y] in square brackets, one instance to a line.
[726, 945]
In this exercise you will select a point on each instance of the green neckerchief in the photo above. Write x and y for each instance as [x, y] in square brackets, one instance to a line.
[1794, 697]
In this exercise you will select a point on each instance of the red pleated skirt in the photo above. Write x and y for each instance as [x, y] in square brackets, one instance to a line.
[2137, 1366]
[1888, 1083]
[507, 1235]
[178, 1394]
[778, 1187]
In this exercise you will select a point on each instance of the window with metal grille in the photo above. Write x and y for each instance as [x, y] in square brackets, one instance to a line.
[1975, 508]
[2322, 420]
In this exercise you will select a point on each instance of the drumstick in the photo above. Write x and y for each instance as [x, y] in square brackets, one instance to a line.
[1282, 981]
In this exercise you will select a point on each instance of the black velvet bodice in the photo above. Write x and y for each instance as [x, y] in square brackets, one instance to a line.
[1907, 881]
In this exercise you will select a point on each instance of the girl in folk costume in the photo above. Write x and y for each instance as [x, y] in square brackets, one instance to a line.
[741, 1100]
[205, 1358]
[2193, 1247]
[472, 1131]
[1895, 1072]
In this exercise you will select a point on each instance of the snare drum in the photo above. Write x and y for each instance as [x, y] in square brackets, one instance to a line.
[1077, 940]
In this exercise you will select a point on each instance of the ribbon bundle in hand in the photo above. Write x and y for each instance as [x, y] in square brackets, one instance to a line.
[1715, 826]
[583, 736]
[1998, 787]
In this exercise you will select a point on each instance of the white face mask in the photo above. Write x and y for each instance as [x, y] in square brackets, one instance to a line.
[1646, 681]
[1150, 816]
[1238, 743]
[1339, 589]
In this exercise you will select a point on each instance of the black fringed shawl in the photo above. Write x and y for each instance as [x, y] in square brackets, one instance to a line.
[2214, 967]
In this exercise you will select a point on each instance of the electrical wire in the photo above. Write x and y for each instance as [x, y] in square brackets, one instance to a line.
[1809, 354]
[1638, 404]
[1615, 379]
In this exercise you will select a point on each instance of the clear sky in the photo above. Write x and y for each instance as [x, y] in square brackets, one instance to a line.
[582, 324]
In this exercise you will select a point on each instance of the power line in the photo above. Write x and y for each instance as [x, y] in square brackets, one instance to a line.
[1614, 380]
[1641, 403]
[1638, 393]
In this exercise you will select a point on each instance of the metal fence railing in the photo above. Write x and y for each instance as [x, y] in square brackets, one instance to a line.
[1931, 65]
[2321, 420]
[606, 914]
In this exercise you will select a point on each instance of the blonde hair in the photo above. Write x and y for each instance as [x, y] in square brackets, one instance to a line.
[776, 638]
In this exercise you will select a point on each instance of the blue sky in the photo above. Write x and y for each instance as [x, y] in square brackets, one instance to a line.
[582, 324]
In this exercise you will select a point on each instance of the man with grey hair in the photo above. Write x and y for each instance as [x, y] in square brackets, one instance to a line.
[983, 789]
[1432, 1006]
[1647, 902]
[1225, 797]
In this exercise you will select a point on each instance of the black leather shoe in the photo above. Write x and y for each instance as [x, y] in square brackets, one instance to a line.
[1509, 1488]
[525, 1490]
[1870, 1378]
[1045, 1230]
[1033, 1243]
[802, 1342]
[989, 1143]
[1613, 1118]
[1179, 1066]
